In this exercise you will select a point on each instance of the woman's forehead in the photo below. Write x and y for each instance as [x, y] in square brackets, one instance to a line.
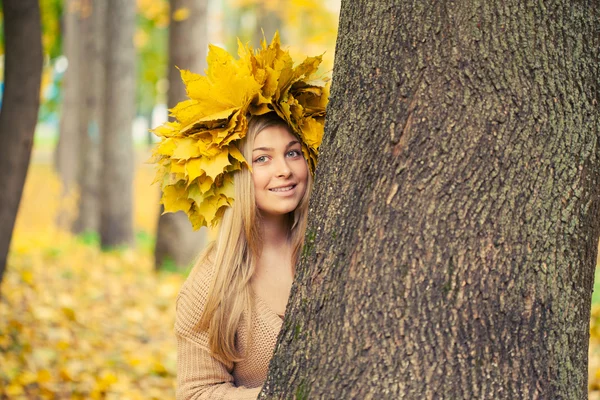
[273, 135]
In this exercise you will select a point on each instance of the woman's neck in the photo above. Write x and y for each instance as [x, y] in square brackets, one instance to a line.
[275, 231]
[274, 273]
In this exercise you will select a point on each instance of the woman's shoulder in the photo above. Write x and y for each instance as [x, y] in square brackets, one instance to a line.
[199, 279]
[193, 295]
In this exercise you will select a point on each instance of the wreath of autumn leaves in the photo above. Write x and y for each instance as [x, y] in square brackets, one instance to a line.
[198, 154]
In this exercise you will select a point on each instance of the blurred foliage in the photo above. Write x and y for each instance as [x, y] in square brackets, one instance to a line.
[151, 40]
[51, 12]
[308, 27]
[79, 323]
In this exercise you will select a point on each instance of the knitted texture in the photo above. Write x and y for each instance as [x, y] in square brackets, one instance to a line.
[202, 376]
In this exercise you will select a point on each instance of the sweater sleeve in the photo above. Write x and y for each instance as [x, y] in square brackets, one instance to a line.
[199, 374]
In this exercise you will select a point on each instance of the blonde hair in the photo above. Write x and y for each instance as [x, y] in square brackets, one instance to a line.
[237, 247]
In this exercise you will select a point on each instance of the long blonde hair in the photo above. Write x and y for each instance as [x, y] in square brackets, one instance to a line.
[234, 253]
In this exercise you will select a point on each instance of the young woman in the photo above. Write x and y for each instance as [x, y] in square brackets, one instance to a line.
[230, 309]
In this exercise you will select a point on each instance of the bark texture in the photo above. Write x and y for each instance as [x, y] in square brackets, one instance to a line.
[176, 241]
[20, 104]
[454, 224]
[92, 84]
[116, 215]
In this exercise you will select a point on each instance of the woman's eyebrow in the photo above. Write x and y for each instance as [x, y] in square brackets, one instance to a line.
[290, 144]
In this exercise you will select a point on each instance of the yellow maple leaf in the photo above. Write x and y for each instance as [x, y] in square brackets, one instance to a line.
[185, 149]
[215, 166]
[313, 98]
[175, 199]
[208, 208]
[227, 190]
[166, 147]
[196, 219]
[228, 83]
[193, 169]
[312, 133]
[177, 168]
[205, 183]
[167, 129]
[195, 194]
[186, 111]
[235, 153]
[198, 120]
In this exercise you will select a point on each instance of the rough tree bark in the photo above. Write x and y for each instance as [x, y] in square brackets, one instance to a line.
[20, 104]
[92, 85]
[454, 225]
[116, 187]
[176, 241]
[66, 153]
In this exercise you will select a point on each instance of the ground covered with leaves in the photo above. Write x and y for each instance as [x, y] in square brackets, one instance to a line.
[77, 322]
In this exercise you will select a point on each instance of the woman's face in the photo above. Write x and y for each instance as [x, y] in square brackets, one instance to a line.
[279, 171]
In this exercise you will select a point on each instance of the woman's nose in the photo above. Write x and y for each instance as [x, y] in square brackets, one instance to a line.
[283, 169]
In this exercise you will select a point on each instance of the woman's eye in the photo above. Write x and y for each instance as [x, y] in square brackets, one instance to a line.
[293, 153]
[260, 159]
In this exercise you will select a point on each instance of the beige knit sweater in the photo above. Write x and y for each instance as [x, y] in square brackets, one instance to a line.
[200, 375]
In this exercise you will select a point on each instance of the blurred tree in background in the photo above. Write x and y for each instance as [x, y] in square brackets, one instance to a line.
[116, 185]
[66, 161]
[92, 82]
[23, 69]
[73, 83]
[77, 59]
[176, 241]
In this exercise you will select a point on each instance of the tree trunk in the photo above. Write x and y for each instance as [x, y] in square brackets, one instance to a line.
[66, 156]
[116, 206]
[20, 104]
[176, 241]
[91, 83]
[453, 235]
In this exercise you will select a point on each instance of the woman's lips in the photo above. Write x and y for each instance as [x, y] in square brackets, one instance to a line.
[283, 189]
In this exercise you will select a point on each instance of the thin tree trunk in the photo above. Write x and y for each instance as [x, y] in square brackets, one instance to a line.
[453, 237]
[91, 84]
[20, 104]
[176, 241]
[116, 215]
[66, 156]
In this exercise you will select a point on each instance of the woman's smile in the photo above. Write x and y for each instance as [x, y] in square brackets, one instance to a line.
[283, 189]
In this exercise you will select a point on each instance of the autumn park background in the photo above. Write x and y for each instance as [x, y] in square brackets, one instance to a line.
[86, 316]
[85, 311]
